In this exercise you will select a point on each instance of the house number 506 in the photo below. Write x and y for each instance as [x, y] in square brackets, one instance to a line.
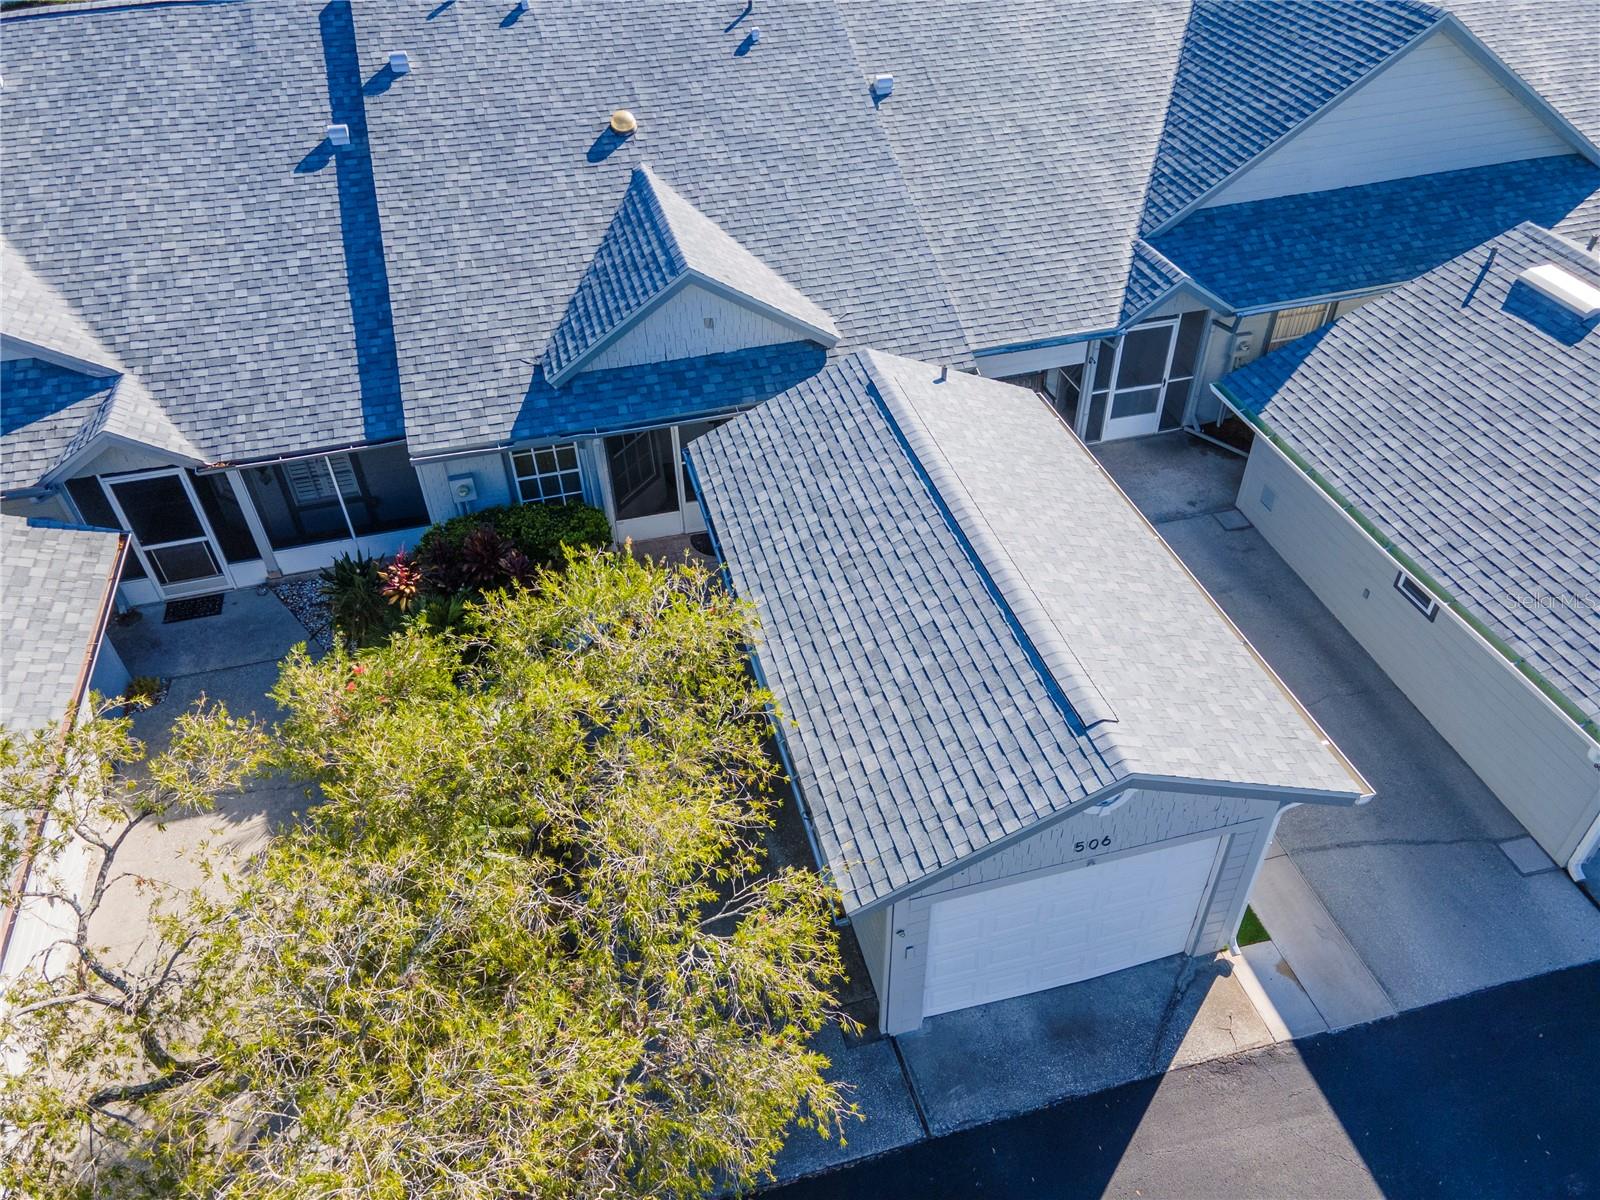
[1099, 843]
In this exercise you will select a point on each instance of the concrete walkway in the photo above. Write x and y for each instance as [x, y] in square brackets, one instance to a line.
[232, 658]
[1419, 883]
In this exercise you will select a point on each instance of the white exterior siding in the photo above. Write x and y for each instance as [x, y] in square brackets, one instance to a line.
[487, 470]
[1527, 753]
[1142, 822]
[1436, 109]
[679, 329]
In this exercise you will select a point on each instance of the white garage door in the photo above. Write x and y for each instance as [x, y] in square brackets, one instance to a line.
[1060, 928]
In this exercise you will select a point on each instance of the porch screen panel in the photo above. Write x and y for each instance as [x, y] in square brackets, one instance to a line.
[1185, 356]
[226, 517]
[380, 490]
[94, 508]
[643, 475]
[296, 503]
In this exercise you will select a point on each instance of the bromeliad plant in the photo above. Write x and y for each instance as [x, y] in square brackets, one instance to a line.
[401, 582]
[526, 946]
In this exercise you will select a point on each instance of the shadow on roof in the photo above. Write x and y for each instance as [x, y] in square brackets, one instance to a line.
[1545, 315]
[366, 272]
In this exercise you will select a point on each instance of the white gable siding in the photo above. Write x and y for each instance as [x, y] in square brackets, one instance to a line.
[678, 330]
[1435, 110]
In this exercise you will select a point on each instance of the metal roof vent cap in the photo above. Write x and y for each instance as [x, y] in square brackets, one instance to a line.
[1572, 292]
[400, 63]
[882, 86]
[623, 122]
[337, 135]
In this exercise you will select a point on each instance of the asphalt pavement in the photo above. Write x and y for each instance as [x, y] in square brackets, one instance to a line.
[1487, 1095]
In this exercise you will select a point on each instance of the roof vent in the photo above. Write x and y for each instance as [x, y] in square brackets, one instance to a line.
[338, 135]
[400, 63]
[882, 86]
[1566, 289]
[623, 122]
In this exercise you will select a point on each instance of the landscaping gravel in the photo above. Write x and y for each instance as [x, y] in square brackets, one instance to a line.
[302, 596]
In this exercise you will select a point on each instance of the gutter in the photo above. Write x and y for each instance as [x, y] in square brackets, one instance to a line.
[91, 652]
[1548, 690]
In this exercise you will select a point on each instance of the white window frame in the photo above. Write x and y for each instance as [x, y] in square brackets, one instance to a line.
[1416, 595]
[562, 494]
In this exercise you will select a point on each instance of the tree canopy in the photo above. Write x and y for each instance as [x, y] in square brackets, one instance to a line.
[526, 945]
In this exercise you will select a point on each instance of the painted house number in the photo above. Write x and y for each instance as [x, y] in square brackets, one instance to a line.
[1098, 843]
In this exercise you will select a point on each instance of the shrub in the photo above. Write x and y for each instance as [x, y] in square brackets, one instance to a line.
[353, 588]
[498, 546]
[143, 691]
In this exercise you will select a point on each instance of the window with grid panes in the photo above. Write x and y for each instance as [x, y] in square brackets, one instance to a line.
[548, 475]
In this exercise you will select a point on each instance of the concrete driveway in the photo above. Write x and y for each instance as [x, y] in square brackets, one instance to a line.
[1418, 879]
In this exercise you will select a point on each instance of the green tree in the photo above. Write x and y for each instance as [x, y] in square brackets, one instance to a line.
[526, 945]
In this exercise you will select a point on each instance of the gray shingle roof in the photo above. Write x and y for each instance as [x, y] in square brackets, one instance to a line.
[191, 216]
[1461, 415]
[941, 630]
[657, 241]
[273, 296]
[503, 127]
[54, 584]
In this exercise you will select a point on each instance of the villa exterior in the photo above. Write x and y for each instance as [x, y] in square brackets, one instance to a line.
[268, 300]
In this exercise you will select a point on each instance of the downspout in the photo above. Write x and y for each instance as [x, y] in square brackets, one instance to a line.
[773, 718]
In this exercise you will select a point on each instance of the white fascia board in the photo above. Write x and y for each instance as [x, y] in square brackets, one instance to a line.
[101, 441]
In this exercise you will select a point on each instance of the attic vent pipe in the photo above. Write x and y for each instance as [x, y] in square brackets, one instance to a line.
[1575, 294]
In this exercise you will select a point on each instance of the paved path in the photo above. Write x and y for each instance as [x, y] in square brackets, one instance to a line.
[1478, 1096]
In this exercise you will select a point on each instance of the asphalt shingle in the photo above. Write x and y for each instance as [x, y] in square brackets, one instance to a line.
[1460, 413]
[54, 585]
[956, 664]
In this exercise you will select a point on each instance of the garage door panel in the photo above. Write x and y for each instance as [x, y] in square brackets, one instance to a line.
[990, 944]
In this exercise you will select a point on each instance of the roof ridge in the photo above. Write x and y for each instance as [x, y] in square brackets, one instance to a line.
[1034, 621]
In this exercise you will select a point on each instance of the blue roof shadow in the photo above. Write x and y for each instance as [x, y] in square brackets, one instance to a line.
[366, 272]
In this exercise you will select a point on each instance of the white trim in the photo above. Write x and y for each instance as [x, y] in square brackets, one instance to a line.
[252, 519]
[98, 444]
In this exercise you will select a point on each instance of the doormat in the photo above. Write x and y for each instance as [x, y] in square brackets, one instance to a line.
[191, 607]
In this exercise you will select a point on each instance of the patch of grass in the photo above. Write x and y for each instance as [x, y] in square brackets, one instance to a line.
[1251, 930]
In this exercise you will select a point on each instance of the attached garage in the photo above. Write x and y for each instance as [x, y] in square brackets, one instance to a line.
[1427, 466]
[1028, 747]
